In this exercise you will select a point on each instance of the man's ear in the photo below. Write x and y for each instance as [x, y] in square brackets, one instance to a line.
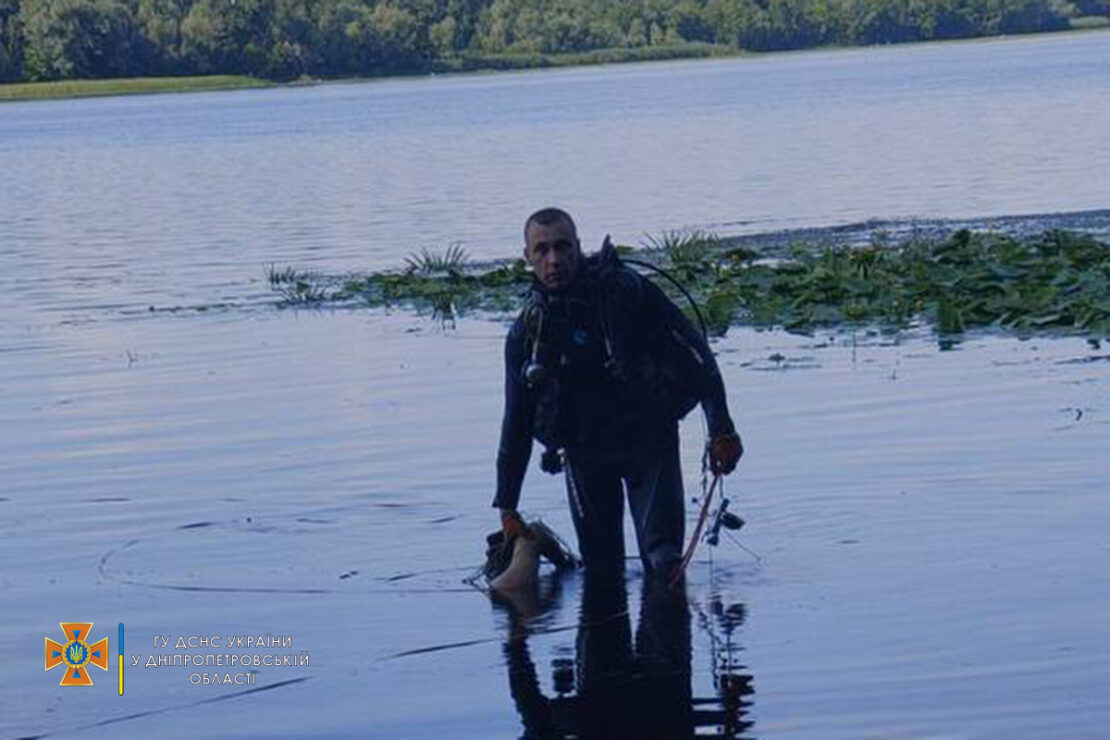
[525, 253]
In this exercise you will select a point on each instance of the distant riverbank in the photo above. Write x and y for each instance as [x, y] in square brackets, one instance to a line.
[126, 86]
[463, 64]
[469, 63]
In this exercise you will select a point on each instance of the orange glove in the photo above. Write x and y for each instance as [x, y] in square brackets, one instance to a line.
[724, 452]
[513, 525]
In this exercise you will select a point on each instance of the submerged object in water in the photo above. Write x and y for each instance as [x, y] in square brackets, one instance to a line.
[523, 567]
[515, 561]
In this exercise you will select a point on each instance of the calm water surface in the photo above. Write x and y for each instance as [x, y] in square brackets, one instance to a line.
[131, 201]
[931, 524]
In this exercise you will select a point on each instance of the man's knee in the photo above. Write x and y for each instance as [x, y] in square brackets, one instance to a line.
[662, 558]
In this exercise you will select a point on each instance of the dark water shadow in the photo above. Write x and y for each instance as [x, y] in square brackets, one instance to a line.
[625, 683]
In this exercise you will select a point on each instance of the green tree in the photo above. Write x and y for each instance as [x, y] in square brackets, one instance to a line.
[387, 39]
[338, 25]
[1027, 16]
[1092, 7]
[11, 41]
[690, 23]
[82, 38]
[49, 39]
[444, 36]
[161, 23]
[293, 43]
[227, 36]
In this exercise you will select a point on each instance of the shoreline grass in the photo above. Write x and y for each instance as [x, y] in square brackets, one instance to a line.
[22, 91]
[474, 62]
[463, 64]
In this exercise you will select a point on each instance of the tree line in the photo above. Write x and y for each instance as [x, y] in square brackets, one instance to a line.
[285, 39]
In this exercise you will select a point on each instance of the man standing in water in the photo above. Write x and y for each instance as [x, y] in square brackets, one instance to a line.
[599, 367]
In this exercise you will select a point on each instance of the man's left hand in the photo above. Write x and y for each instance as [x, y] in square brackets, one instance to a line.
[724, 452]
[512, 524]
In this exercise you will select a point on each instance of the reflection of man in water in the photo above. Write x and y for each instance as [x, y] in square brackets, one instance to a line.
[601, 365]
[620, 688]
[620, 685]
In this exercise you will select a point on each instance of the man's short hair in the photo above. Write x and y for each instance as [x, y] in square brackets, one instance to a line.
[546, 217]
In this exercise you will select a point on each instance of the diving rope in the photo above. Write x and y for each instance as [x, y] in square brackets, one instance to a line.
[680, 286]
[680, 569]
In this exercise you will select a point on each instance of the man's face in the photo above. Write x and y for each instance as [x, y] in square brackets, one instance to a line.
[553, 252]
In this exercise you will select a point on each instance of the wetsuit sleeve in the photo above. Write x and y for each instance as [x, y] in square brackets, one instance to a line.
[711, 387]
[515, 448]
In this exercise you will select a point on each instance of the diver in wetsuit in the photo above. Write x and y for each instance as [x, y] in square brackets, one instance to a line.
[599, 367]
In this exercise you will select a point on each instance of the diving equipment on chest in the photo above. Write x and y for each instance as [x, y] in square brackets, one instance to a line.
[566, 341]
[595, 360]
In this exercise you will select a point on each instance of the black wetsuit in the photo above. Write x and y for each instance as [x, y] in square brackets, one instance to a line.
[613, 423]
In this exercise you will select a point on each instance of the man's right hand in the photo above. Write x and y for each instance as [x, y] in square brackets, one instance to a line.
[513, 525]
[724, 452]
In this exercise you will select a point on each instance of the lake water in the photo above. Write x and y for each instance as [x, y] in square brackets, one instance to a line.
[183, 456]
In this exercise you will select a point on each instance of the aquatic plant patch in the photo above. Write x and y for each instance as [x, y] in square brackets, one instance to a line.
[1056, 281]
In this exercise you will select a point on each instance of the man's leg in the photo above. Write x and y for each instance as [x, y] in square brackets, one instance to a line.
[597, 507]
[656, 499]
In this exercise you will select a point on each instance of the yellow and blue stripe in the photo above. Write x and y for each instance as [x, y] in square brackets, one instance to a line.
[121, 658]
